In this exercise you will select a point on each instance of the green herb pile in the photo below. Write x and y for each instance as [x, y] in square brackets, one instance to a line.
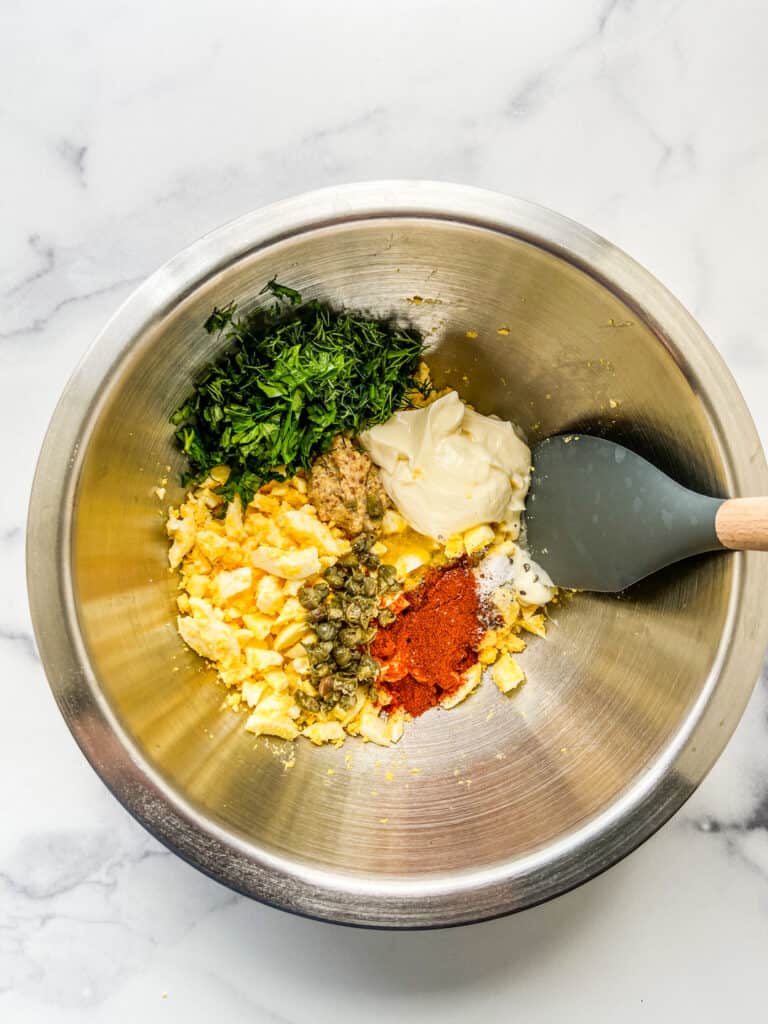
[292, 378]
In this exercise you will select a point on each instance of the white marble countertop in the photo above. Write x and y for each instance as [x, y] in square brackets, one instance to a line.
[129, 129]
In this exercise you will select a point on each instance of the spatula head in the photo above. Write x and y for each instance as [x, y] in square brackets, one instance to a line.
[600, 517]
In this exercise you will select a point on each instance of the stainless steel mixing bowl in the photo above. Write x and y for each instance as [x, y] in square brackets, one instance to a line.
[502, 802]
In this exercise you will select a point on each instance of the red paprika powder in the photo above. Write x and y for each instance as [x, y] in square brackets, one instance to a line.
[431, 642]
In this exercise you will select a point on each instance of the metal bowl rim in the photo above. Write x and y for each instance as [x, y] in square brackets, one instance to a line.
[432, 901]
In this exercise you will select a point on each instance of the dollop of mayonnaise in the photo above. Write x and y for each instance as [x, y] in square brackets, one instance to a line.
[447, 468]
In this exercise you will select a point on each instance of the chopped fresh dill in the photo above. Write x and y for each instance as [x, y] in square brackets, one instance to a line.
[291, 378]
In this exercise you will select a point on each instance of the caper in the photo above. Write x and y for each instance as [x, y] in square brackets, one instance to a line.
[326, 630]
[321, 651]
[342, 655]
[350, 636]
[325, 687]
[354, 584]
[305, 701]
[318, 614]
[369, 586]
[309, 597]
[363, 542]
[386, 617]
[388, 572]
[343, 683]
[334, 578]
[353, 611]
[322, 590]
[368, 668]
[368, 612]
[321, 671]
[347, 700]
[335, 612]
[374, 506]
[368, 635]
[349, 561]
[371, 561]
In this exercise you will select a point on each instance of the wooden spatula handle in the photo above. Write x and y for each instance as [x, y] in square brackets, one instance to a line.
[742, 524]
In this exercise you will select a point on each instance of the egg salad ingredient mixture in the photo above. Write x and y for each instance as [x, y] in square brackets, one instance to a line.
[349, 553]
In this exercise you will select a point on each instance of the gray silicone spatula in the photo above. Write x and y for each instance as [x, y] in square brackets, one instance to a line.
[600, 517]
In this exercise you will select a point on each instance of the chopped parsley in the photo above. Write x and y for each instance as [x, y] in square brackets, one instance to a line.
[292, 377]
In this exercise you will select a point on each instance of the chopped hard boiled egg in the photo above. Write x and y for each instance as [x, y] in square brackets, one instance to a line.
[240, 580]
[471, 682]
[290, 565]
[507, 674]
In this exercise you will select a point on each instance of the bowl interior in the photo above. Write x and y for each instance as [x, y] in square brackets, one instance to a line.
[523, 334]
